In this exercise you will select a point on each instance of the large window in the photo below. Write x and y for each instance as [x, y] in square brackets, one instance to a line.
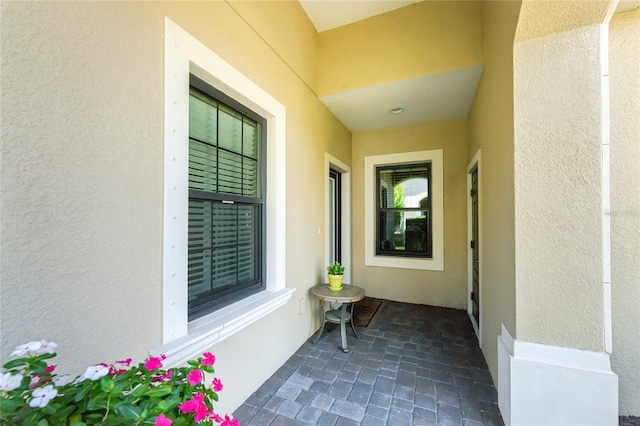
[226, 199]
[404, 225]
[187, 328]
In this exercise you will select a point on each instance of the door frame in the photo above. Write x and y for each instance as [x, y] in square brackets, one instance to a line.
[474, 164]
[331, 162]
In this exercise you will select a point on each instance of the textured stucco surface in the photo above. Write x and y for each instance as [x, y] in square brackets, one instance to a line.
[423, 38]
[558, 205]
[539, 18]
[82, 175]
[624, 79]
[81, 179]
[491, 130]
[439, 288]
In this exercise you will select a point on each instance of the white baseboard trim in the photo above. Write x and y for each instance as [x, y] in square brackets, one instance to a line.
[550, 385]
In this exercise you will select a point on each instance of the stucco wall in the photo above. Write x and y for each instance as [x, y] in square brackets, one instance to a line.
[82, 175]
[558, 205]
[491, 130]
[624, 78]
[447, 288]
[420, 39]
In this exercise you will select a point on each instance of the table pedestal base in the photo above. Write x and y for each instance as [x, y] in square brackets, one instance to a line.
[338, 316]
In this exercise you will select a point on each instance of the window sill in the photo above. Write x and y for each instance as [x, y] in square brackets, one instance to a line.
[434, 264]
[214, 328]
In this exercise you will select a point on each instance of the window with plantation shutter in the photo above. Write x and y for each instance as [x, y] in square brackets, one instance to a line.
[226, 200]
[404, 218]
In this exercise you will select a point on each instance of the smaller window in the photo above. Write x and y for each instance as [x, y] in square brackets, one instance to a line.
[403, 211]
[404, 214]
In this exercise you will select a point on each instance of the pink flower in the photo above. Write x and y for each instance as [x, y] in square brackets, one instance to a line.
[216, 418]
[208, 359]
[217, 384]
[163, 377]
[191, 405]
[114, 372]
[153, 363]
[201, 413]
[194, 377]
[229, 421]
[125, 362]
[161, 420]
[195, 405]
[50, 368]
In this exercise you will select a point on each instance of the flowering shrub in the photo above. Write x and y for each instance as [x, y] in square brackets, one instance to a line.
[31, 393]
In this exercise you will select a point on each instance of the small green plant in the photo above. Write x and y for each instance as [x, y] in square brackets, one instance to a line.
[335, 269]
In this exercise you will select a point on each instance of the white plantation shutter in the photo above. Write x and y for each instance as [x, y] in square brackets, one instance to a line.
[225, 203]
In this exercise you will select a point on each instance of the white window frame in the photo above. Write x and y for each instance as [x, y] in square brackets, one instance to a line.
[182, 339]
[436, 263]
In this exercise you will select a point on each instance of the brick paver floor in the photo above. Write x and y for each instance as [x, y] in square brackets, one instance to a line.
[418, 365]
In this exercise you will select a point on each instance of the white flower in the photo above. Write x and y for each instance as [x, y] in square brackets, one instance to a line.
[34, 347]
[47, 347]
[95, 372]
[9, 382]
[41, 396]
[61, 380]
[27, 347]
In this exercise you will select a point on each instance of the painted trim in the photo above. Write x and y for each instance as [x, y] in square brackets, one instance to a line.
[225, 323]
[550, 385]
[332, 162]
[475, 164]
[184, 55]
[437, 186]
[606, 185]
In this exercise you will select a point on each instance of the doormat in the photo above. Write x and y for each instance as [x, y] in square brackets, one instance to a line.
[366, 311]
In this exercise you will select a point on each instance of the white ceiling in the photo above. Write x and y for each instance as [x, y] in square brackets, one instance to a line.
[328, 14]
[436, 97]
[425, 99]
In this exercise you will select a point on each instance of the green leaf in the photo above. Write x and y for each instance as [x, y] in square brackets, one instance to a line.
[32, 418]
[15, 363]
[7, 405]
[168, 404]
[139, 390]
[76, 419]
[193, 363]
[84, 391]
[43, 422]
[97, 404]
[106, 384]
[129, 411]
[94, 418]
[158, 391]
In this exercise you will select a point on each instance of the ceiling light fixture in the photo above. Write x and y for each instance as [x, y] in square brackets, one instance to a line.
[396, 110]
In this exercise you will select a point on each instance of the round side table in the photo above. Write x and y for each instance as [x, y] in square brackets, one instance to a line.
[349, 295]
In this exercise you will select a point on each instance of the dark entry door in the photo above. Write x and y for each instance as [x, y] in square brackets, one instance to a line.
[475, 251]
[335, 214]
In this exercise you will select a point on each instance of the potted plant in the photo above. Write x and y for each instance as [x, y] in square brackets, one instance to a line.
[336, 275]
